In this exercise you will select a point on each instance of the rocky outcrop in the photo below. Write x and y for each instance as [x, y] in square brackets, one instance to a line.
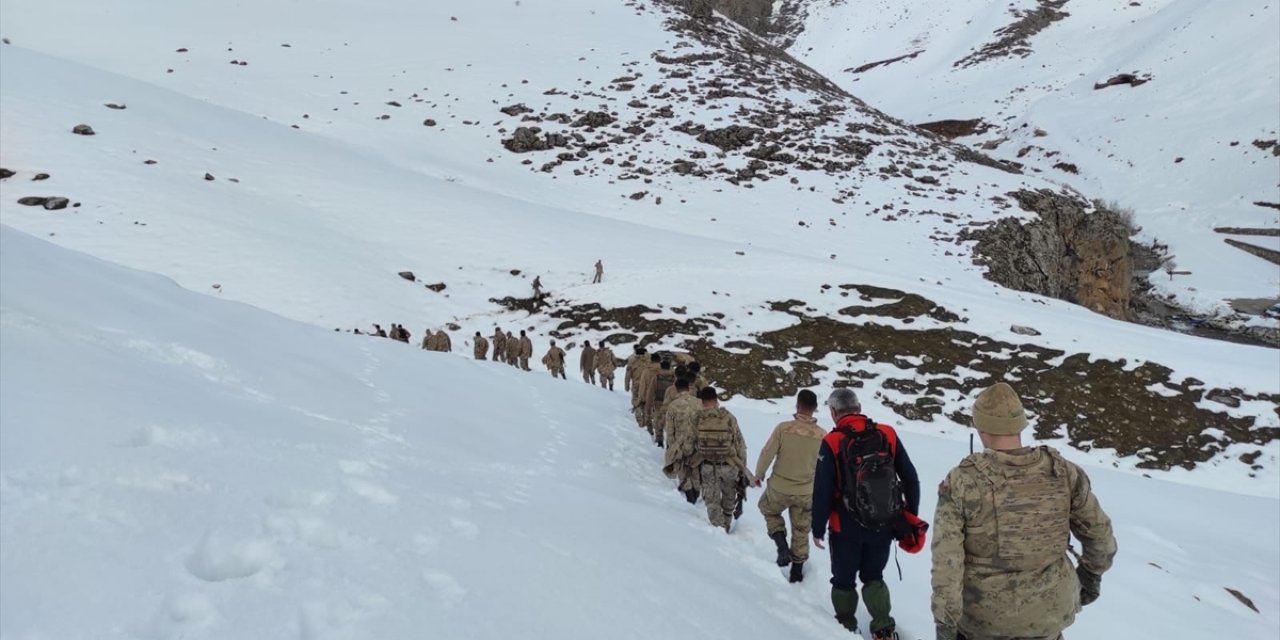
[1074, 251]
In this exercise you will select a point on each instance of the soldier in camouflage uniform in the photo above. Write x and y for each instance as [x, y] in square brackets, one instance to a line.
[653, 393]
[1002, 532]
[513, 350]
[680, 421]
[480, 348]
[639, 389]
[792, 449]
[525, 352]
[721, 455]
[634, 363]
[499, 345]
[606, 364]
[587, 362]
[554, 361]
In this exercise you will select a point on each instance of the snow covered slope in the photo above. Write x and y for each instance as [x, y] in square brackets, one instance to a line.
[1191, 149]
[408, 155]
[177, 466]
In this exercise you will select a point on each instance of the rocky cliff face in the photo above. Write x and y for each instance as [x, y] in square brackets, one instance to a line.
[1073, 251]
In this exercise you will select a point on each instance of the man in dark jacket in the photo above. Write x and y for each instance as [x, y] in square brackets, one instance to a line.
[856, 551]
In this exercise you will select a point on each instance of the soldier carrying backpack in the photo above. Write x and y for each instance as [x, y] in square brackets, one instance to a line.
[867, 492]
[721, 457]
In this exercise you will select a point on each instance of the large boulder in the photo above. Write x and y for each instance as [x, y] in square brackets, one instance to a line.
[1074, 251]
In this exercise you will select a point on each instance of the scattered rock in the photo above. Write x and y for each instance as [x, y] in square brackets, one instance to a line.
[1067, 167]
[1223, 399]
[40, 176]
[55, 203]
[33, 201]
[393, 103]
[209, 177]
[83, 130]
[639, 195]
[1023, 330]
[6, 173]
[437, 287]
[407, 275]
[148, 162]
[952, 129]
[182, 50]
[118, 107]
[1131, 79]
[1243, 599]
[428, 123]
[516, 109]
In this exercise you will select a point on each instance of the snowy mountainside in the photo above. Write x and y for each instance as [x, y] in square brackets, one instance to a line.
[177, 466]
[1186, 136]
[347, 144]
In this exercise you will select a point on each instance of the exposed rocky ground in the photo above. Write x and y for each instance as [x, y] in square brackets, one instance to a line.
[1091, 402]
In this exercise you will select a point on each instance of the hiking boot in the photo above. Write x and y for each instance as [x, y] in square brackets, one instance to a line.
[692, 496]
[784, 550]
[884, 634]
[845, 603]
[797, 573]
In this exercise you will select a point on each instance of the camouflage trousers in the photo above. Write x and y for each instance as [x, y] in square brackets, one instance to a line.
[799, 510]
[589, 376]
[524, 363]
[719, 492]
[558, 372]
[606, 381]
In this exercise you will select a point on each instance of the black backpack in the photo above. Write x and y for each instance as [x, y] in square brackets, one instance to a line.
[869, 483]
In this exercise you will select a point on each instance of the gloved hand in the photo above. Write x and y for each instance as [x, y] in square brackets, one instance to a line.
[946, 633]
[1090, 585]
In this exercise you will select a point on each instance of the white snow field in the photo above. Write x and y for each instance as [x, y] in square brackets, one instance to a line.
[177, 466]
[1179, 149]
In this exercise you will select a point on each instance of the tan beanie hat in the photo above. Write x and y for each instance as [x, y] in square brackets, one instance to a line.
[998, 411]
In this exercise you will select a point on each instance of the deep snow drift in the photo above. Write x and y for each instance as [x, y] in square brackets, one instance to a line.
[176, 466]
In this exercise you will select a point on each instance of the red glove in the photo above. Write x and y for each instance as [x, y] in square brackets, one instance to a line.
[913, 541]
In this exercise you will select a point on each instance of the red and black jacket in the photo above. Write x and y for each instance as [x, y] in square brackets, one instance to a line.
[828, 508]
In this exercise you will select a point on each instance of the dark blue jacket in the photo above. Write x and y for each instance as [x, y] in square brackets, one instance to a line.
[828, 508]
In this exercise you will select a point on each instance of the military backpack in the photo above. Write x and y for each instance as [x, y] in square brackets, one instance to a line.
[714, 441]
[661, 383]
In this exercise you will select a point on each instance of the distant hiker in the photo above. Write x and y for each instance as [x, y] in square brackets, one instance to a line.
[537, 287]
[399, 333]
[513, 350]
[599, 272]
[634, 362]
[481, 347]
[655, 393]
[606, 364]
[721, 454]
[681, 424]
[526, 351]
[587, 363]
[379, 332]
[1002, 534]
[499, 345]
[640, 390]
[863, 482]
[554, 361]
[792, 449]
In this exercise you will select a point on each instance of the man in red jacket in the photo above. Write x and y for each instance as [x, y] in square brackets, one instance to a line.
[862, 529]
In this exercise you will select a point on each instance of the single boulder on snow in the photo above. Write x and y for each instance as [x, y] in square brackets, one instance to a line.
[209, 177]
[83, 130]
[6, 173]
[437, 287]
[33, 201]
[118, 107]
[1024, 330]
[40, 176]
[55, 203]
[407, 275]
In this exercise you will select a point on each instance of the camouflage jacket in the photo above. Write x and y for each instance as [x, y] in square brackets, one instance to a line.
[680, 420]
[1000, 542]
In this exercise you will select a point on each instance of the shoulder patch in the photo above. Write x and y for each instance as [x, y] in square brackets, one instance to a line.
[944, 490]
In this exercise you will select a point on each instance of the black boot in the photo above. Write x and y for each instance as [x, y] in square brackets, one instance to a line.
[692, 496]
[784, 550]
[797, 572]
